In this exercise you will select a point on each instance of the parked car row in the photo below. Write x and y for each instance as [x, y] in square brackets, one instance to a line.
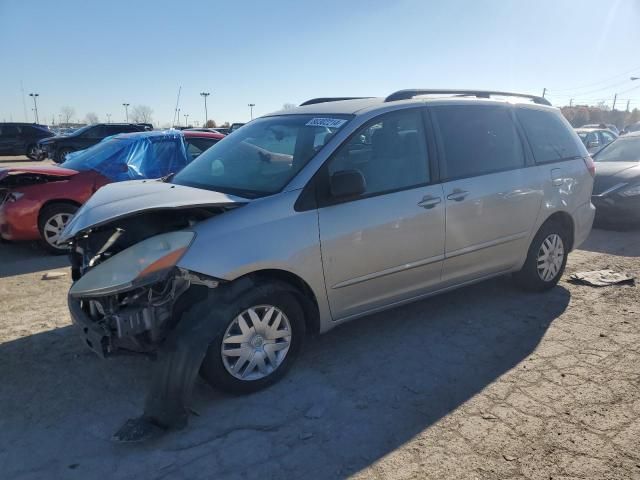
[57, 148]
[22, 138]
[37, 202]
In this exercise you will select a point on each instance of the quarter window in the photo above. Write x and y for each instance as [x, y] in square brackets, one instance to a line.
[550, 138]
[477, 140]
[390, 152]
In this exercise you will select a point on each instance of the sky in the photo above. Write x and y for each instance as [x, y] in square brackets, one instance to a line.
[94, 56]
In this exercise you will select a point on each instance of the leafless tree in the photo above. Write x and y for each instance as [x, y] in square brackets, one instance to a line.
[211, 124]
[91, 118]
[141, 114]
[288, 106]
[67, 113]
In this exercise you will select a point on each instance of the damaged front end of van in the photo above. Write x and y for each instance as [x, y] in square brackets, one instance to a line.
[129, 294]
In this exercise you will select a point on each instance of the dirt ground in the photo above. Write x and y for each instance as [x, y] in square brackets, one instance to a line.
[484, 382]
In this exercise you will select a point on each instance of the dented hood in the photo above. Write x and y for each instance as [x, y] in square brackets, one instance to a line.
[119, 200]
[36, 171]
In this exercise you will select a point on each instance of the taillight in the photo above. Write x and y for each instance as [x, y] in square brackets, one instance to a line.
[591, 166]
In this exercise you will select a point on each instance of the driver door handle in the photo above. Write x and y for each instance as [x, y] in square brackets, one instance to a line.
[457, 195]
[429, 201]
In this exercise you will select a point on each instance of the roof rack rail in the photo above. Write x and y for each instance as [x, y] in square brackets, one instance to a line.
[408, 94]
[314, 101]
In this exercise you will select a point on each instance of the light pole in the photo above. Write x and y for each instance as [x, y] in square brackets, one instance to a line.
[206, 117]
[251, 105]
[35, 104]
[108, 118]
[178, 117]
[126, 111]
[186, 119]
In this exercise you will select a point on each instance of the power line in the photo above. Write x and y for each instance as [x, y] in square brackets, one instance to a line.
[598, 82]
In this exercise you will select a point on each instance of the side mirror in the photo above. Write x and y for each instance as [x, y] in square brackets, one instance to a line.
[592, 144]
[347, 183]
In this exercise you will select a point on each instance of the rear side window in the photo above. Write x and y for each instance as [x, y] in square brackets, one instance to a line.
[550, 138]
[9, 130]
[477, 140]
[195, 146]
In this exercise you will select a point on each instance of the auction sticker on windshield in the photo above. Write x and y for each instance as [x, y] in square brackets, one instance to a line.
[326, 122]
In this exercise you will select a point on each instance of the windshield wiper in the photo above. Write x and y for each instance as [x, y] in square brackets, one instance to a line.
[167, 177]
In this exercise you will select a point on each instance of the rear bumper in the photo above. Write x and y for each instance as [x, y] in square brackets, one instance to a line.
[583, 217]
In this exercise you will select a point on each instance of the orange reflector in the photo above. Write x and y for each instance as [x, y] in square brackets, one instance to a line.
[167, 261]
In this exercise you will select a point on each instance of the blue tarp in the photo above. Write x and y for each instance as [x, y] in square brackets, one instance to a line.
[133, 156]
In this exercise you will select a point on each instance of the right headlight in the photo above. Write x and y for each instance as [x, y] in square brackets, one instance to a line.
[139, 265]
[632, 191]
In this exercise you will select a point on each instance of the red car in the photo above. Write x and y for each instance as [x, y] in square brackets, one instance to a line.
[37, 202]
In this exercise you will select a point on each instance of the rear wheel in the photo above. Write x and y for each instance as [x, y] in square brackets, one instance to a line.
[53, 219]
[546, 259]
[258, 342]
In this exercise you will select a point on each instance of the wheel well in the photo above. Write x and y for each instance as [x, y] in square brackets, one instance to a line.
[306, 296]
[565, 221]
[55, 202]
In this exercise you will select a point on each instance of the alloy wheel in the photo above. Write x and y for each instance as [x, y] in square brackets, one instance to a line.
[54, 226]
[550, 257]
[256, 342]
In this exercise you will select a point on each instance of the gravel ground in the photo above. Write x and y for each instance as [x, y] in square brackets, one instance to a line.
[484, 382]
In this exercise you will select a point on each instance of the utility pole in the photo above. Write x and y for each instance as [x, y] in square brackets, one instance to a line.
[186, 119]
[628, 102]
[126, 111]
[251, 105]
[571, 103]
[35, 105]
[615, 98]
[206, 116]
[544, 92]
[108, 118]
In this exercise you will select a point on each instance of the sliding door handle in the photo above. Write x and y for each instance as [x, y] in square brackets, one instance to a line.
[429, 202]
[457, 195]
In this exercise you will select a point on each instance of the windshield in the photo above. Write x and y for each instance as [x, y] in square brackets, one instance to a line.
[81, 130]
[622, 150]
[263, 156]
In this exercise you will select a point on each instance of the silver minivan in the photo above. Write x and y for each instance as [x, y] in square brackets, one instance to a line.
[306, 218]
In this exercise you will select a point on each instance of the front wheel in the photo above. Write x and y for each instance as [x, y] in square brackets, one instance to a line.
[53, 219]
[62, 155]
[32, 152]
[546, 259]
[259, 341]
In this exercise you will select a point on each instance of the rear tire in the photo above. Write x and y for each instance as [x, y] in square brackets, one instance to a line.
[51, 222]
[546, 259]
[270, 348]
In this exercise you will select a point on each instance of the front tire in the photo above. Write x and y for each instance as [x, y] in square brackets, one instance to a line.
[62, 154]
[51, 223]
[32, 152]
[258, 342]
[546, 259]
